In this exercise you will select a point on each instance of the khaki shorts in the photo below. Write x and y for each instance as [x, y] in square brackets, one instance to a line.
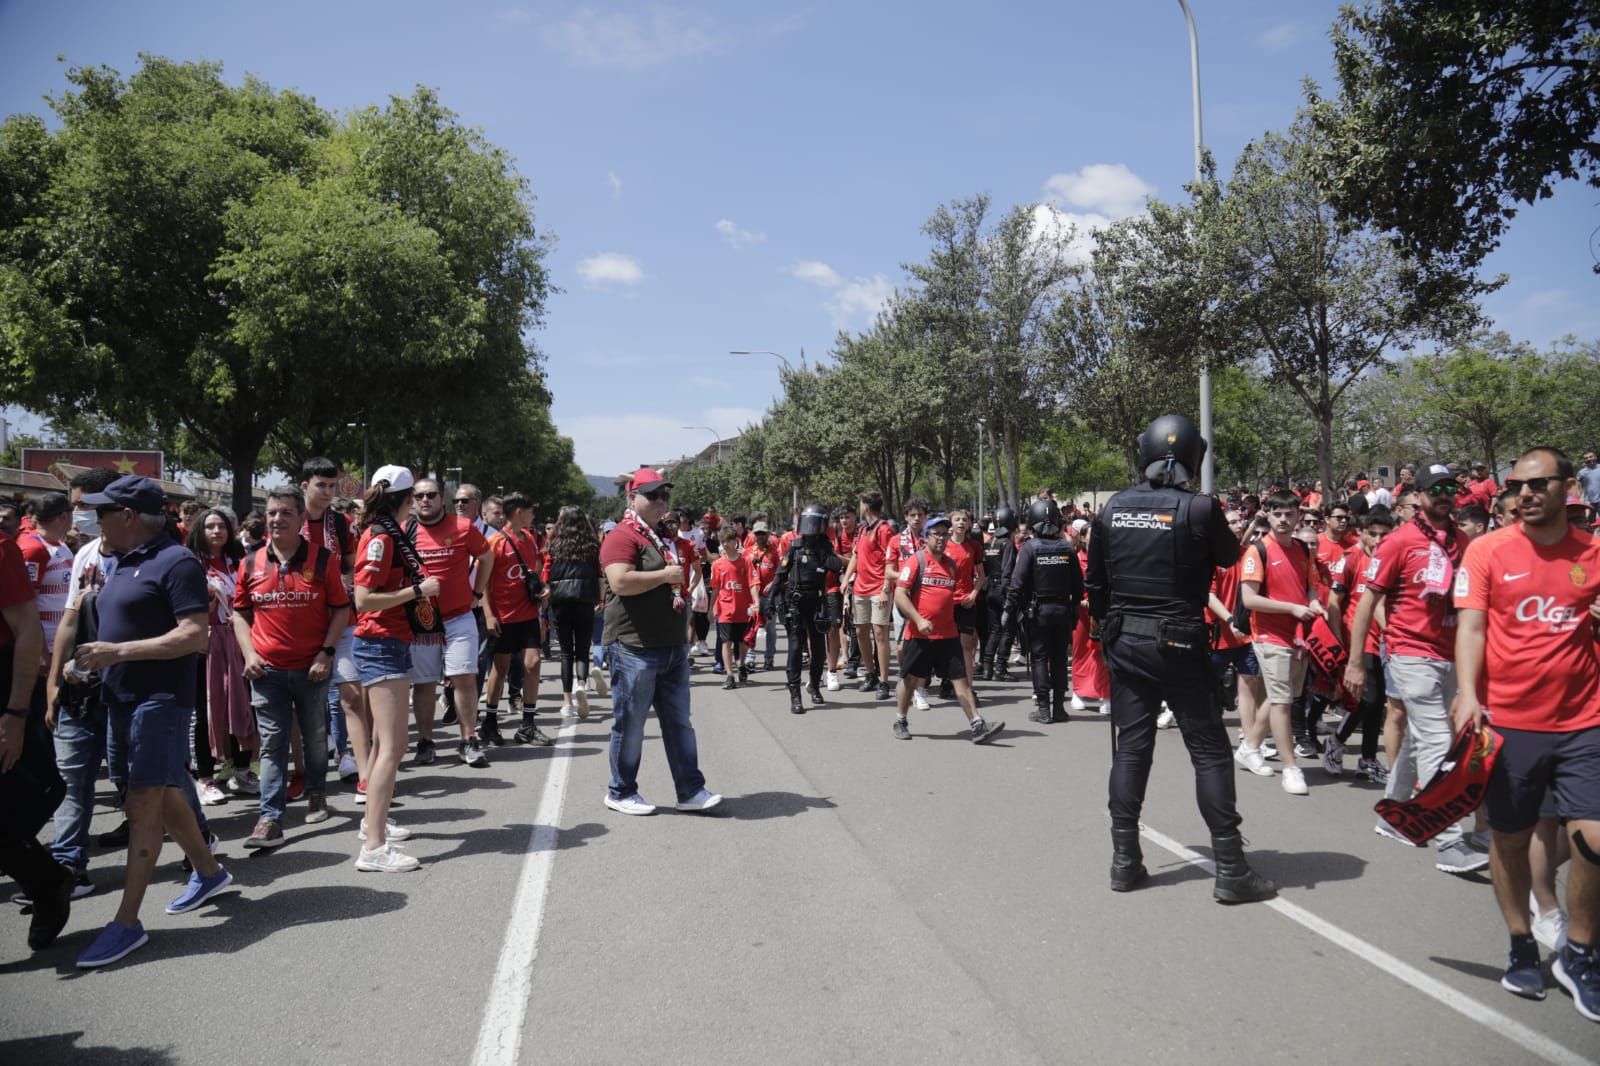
[1283, 670]
[866, 611]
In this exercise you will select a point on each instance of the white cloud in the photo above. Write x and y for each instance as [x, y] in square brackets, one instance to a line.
[850, 301]
[1280, 36]
[610, 268]
[1545, 300]
[1109, 189]
[1071, 230]
[737, 237]
[817, 273]
[632, 41]
[615, 183]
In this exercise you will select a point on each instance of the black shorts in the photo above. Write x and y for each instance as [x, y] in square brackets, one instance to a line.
[966, 619]
[835, 610]
[926, 658]
[517, 636]
[731, 632]
[1567, 764]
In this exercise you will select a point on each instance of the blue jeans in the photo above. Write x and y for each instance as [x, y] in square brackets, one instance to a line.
[279, 697]
[640, 678]
[80, 745]
[597, 653]
[337, 732]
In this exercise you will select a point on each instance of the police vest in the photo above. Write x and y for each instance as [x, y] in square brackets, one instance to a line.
[1156, 559]
[1054, 563]
[993, 563]
[808, 574]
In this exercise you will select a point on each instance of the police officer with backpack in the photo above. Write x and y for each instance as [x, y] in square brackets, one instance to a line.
[1151, 559]
[1045, 588]
[799, 596]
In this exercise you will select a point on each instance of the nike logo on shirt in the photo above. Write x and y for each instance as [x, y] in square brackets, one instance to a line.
[1515, 577]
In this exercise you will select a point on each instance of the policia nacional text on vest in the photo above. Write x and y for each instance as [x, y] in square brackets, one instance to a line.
[1152, 553]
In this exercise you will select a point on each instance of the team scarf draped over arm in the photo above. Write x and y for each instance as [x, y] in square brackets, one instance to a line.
[630, 517]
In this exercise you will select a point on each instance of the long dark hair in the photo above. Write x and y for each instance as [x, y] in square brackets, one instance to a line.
[380, 501]
[575, 540]
[232, 550]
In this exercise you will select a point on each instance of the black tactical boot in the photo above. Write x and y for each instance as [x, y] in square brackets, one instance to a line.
[1002, 674]
[1040, 712]
[1236, 882]
[1058, 707]
[986, 670]
[795, 706]
[1127, 860]
[815, 692]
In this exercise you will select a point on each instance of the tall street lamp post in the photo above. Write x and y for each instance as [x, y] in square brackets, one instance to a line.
[1208, 464]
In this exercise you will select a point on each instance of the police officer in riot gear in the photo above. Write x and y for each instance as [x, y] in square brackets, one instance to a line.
[997, 553]
[799, 596]
[1045, 588]
[1151, 557]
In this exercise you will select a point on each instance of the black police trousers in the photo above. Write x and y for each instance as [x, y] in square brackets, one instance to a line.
[1141, 677]
[997, 645]
[1049, 645]
[807, 628]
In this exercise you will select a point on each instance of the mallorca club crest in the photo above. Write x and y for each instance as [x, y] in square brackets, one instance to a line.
[1577, 574]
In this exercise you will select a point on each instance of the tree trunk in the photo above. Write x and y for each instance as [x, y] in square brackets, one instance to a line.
[1014, 464]
[1325, 446]
[242, 458]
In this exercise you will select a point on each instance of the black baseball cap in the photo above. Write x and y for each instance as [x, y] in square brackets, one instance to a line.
[139, 493]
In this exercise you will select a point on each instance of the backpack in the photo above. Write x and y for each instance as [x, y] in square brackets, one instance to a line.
[81, 698]
[1241, 613]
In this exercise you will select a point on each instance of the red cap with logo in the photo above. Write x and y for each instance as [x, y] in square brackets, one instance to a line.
[647, 479]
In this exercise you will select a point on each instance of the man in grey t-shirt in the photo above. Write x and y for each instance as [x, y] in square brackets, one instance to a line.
[1589, 479]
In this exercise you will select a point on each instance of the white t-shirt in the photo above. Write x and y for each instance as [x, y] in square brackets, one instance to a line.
[88, 571]
[1379, 498]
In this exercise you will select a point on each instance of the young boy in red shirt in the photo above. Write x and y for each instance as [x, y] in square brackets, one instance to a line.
[733, 604]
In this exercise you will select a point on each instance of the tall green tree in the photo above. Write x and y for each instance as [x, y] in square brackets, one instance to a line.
[1453, 114]
[1490, 394]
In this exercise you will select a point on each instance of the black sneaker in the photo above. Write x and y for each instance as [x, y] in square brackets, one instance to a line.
[117, 838]
[532, 734]
[766, 664]
[426, 754]
[51, 911]
[1002, 674]
[902, 729]
[868, 683]
[729, 682]
[744, 674]
[1305, 749]
[885, 691]
[1039, 714]
[947, 691]
[982, 734]
[449, 715]
[489, 731]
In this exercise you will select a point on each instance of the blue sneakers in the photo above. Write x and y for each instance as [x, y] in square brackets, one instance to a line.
[115, 941]
[200, 889]
[1523, 976]
[1580, 976]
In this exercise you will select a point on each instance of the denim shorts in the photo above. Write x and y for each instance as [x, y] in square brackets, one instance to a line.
[1242, 659]
[344, 659]
[155, 735]
[455, 654]
[382, 659]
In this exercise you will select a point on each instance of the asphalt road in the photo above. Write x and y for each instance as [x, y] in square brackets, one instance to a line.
[855, 899]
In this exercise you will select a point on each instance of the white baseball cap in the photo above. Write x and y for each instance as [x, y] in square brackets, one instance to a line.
[398, 478]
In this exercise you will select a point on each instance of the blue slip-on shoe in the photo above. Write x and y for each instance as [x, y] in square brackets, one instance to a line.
[115, 941]
[200, 889]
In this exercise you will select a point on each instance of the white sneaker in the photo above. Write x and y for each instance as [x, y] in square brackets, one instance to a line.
[211, 795]
[919, 699]
[390, 831]
[597, 678]
[1166, 720]
[1294, 781]
[583, 705]
[1269, 750]
[1384, 829]
[703, 800]
[633, 804]
[832, 684]
[569, 710]
[245, 783]
[1250, 759]
[1018, 659]
[1078, 706]
[1550, 928]
[387, 859]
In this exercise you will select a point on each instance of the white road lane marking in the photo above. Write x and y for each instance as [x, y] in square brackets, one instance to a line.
[1535, 1043]
[500, 1035]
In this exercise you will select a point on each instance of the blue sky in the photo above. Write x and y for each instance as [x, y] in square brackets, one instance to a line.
[723, 176]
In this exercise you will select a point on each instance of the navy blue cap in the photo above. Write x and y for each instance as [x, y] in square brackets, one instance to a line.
[934, 520]
[139, 493]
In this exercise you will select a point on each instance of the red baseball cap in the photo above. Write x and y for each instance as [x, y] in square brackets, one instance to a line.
[646, 479]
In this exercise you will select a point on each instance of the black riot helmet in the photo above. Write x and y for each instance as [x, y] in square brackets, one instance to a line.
[1005, 520]
[1170, 450]
[1044, 518]
[813, 521]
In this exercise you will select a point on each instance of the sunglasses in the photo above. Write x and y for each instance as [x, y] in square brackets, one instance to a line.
[1536, 485]
[109, 509]
[463, 501]
[659, 495]
[425, 495]
[1338, 518]
[1443, 488]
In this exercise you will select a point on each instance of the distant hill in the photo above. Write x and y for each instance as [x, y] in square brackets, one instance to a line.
[603, 486]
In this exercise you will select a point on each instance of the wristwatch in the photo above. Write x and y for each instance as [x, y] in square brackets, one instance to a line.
[330, 651]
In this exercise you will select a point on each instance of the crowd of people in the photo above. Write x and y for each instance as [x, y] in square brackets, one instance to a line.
[203, 658]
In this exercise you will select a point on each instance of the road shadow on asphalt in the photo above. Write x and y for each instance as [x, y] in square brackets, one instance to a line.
[64, 1047]
[244, 922]
[510, 840]
[530, 752]
[1478, 970]
[1290, 869]
[760, 806]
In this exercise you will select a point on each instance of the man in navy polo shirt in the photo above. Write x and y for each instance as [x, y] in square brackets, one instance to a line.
[154, 612]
